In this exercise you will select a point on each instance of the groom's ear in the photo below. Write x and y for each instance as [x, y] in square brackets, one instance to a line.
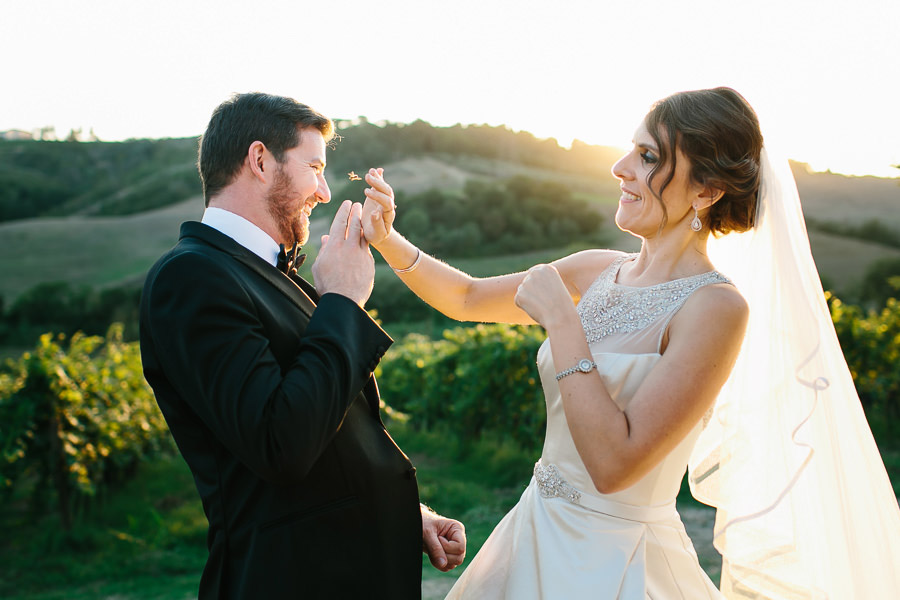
[257, 158]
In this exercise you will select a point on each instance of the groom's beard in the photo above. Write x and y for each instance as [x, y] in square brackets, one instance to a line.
[285, 210]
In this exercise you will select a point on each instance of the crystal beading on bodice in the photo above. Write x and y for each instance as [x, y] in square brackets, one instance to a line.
[608, 307]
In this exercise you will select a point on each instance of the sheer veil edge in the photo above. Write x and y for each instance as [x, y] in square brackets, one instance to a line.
[805, 508]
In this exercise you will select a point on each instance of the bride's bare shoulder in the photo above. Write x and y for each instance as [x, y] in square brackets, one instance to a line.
[581, 269]
[720, 307]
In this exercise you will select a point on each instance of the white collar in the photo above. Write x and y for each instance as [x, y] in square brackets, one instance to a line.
[243, 232]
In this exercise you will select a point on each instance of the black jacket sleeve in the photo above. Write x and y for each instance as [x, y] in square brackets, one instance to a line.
[211, 345]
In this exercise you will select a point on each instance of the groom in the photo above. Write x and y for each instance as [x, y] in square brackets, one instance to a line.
[266, 381]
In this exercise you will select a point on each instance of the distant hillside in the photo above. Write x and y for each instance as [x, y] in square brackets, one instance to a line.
[102, 212]
[848, 200]
[39, 178]
[94, 178]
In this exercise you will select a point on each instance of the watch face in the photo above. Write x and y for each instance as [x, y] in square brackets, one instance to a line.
[584, 365]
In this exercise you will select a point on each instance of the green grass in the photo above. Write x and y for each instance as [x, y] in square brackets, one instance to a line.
[147, 539]
[90, 251]
[475, 484]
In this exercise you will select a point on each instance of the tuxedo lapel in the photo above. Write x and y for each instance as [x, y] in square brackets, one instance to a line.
[304, 285]
[287, 286]
[295, 288]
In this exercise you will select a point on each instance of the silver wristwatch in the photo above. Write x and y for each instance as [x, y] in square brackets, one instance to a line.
[583, 366]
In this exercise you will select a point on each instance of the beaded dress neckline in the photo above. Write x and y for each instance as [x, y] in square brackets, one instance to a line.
[609, 307]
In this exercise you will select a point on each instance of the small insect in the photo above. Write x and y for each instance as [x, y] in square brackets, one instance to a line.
[353, 176]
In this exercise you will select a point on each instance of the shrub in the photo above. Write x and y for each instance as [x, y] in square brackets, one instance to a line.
[871, 344]
[76, 419]
[476, 380]
[881, 281]
[63, 308]
[518, 215]
[483, 379]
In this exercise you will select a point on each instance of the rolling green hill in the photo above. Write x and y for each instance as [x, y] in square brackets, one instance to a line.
[105, 211]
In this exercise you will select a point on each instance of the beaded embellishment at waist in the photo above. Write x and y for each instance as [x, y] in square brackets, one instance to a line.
[551, 484]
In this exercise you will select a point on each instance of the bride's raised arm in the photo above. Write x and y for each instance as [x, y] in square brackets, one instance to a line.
[449, 290]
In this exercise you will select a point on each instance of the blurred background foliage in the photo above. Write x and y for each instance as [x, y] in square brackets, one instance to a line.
[96, 499]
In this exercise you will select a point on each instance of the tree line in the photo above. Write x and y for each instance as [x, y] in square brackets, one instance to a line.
[39, 178]
[50, 178]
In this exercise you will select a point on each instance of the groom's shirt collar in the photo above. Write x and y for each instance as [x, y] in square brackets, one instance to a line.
[243, 232]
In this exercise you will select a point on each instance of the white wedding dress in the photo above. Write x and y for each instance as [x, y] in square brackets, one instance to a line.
[566, 540]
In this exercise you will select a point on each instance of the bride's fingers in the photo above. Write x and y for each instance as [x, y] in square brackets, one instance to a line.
[386, 201]
[375, 178]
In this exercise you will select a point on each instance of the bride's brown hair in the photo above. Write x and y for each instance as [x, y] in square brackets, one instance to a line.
[718, 131]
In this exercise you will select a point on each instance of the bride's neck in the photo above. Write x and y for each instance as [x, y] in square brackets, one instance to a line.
[669, 257]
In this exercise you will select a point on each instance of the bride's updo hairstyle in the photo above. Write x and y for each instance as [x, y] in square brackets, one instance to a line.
[718, 132]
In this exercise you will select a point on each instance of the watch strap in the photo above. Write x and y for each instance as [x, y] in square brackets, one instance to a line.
[582, 366]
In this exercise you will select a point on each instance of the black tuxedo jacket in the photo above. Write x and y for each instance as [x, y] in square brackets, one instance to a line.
[269, 394]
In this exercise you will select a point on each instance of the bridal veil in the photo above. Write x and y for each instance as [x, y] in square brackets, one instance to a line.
[805, 506]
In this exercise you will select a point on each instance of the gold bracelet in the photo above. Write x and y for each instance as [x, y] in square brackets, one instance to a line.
[413, 266]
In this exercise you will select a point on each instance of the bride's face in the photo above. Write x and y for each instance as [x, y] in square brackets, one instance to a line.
[640, 211]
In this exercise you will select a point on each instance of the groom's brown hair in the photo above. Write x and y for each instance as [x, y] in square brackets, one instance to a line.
[276, 121]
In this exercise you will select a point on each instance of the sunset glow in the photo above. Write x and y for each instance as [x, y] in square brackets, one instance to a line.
[822, 75]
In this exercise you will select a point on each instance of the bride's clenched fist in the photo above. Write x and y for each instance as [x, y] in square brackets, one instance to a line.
[543, 295]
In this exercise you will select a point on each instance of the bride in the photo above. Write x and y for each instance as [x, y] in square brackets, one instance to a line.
[646, 369]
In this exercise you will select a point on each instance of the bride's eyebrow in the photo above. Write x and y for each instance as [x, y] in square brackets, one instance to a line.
[647, 145]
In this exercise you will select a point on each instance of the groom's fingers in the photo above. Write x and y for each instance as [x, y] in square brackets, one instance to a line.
[354, 227]
[434, 549]
[455, 554]
[338, 229]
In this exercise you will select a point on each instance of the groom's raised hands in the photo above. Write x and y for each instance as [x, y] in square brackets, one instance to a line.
[345, 265]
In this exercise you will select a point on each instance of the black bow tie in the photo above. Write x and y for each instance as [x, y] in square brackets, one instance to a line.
[289, 260]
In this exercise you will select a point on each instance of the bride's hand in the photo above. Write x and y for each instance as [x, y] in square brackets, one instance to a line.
[379, 208]
[543, 295]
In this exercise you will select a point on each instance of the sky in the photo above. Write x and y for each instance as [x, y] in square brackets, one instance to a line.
[823, 75]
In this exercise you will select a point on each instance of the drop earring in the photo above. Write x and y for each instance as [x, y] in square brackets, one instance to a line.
[696, 224]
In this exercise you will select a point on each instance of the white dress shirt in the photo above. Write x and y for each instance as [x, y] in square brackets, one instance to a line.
[243, 232]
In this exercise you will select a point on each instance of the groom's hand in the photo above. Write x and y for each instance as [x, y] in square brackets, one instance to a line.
[345, 265]
[443, 540]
